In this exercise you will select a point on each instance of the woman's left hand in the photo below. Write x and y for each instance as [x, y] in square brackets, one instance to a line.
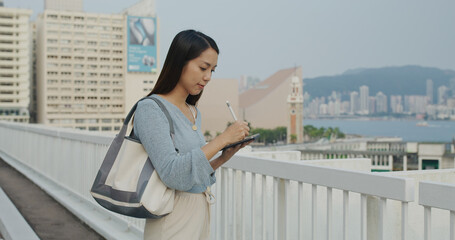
[229, 152]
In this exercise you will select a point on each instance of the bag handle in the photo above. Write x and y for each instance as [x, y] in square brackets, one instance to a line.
[122, 132]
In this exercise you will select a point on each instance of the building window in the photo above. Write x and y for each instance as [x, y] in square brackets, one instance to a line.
[79, 50]
[51, 40]
[106, 128]
[92, 35]
[52, 16]
[65, 50]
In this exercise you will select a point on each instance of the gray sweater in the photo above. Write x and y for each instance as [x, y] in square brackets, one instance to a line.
[188, 170]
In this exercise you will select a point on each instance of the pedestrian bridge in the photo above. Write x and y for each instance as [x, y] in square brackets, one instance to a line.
[257, 198]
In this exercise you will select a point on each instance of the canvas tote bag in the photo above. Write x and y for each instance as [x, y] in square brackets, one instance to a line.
[126, 182]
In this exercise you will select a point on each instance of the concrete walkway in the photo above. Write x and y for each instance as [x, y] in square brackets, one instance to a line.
[47, 218]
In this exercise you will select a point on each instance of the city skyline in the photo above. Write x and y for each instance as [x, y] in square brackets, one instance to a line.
[364, 103]
[326, 38]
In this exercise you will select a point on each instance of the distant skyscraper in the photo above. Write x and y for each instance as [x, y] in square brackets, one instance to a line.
[381, 103]
[430, 91]
[364, 99]
[443, 94]
[247, 82]
[1, 3]
[452, 86]
[371, 105]
[355, 102]
[396, 104]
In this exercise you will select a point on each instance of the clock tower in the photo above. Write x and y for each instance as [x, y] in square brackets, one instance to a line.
[295, 113]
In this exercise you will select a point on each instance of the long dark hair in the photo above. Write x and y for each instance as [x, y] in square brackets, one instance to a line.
[187, 45]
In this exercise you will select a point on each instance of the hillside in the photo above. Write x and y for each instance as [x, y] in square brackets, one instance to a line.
[404, 80]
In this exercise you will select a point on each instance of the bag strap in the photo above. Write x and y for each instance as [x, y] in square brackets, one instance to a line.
[163, 108]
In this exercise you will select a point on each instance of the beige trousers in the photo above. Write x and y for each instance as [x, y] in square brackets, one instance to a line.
[190, 219]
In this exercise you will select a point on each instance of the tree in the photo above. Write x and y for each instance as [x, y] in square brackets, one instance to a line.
[207, 135]
[293, 138]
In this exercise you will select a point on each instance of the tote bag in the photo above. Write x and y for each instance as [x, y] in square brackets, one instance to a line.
[127, 182]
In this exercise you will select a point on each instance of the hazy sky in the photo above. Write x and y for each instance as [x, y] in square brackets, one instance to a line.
[325, 37]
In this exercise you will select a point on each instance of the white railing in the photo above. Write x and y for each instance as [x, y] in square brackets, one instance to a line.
[437, 195]
[257, 198]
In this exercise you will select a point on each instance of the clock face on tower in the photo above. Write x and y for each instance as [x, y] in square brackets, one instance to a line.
[292, 111]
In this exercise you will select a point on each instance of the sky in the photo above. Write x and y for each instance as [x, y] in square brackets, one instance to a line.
[325, 37]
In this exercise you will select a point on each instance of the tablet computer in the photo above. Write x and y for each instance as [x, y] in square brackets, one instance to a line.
[247, 139]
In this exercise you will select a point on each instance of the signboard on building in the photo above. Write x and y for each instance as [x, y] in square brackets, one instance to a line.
[141, 44]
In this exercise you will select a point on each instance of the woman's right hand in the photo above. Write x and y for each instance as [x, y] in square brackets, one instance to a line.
[235, 132]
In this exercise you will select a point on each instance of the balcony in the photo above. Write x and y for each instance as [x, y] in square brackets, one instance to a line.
[257, 198]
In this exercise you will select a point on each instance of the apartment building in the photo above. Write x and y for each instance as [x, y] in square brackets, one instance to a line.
[15, 64]
[84, 74]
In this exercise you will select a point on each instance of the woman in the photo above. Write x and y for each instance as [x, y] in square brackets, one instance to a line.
[191, 60]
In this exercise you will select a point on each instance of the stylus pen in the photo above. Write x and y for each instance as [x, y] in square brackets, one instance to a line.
[230, 109]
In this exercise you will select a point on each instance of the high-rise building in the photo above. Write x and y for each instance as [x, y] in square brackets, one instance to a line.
[371, 105]
[355, 102]
[443, 95]
[381, 103]
[247, 82]
[452, 86]
[15, 64]
[396, 104]
[415, 104]
[64, 5]
[364, 99]
[92, 68]
[430, 91]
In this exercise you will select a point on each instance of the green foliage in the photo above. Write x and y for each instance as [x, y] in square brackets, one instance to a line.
[293, 138]
[270, 135]
[316, 133]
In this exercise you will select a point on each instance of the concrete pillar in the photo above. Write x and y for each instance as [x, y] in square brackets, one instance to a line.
[405, 163]
[390, 162]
